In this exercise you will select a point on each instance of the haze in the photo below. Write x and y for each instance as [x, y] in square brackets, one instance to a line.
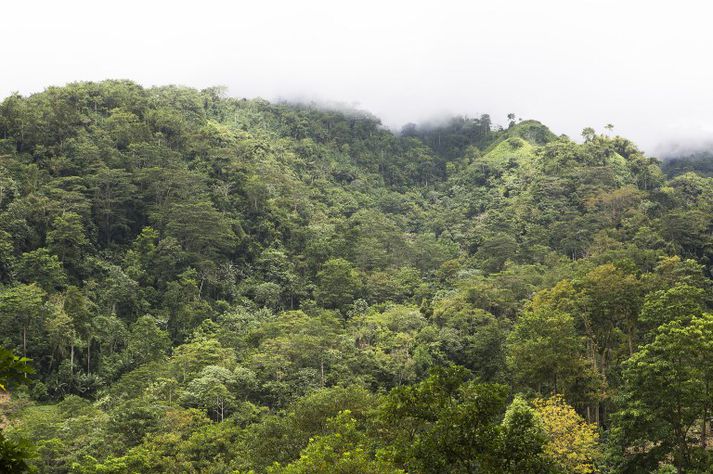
[642, 65]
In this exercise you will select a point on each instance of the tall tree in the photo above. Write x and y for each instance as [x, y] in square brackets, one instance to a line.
[21, 308]
[667, 398]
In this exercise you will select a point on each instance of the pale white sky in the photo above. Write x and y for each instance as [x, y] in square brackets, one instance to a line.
[642, 65]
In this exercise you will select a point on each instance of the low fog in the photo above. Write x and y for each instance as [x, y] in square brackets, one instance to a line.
[640, 65]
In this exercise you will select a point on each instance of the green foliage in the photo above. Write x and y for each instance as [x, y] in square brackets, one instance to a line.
[343, 450]
[679, 358]
[445, 424]
[544, 351]
[41, 267]
[147, 341]
[13, 369]
[338, 285]
[524, 439]
[571, 443]
[14, 454]
[21, 313]
[207, 284]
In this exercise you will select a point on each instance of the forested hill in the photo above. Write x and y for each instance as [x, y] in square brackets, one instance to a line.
[220, 285]
[700, 162]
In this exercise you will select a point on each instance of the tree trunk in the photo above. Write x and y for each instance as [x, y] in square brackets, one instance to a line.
[601, 409]
[630, 337]
[704, 434]
[107, 225]
[220, 404]
[603, 363]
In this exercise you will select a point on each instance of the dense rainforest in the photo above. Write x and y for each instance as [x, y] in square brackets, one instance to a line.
[207, 284]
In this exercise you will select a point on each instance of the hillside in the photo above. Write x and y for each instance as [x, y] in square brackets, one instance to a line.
[700, 162]
[219, 285]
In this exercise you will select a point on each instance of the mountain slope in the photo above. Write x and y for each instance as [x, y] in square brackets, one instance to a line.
[212, 284]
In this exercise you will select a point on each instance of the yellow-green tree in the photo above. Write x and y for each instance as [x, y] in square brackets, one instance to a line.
[343, 451]
[573, 443]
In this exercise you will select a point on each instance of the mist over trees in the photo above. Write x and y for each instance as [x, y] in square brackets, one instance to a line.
[220, 285]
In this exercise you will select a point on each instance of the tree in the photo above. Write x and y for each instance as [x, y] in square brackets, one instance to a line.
[616, 204]
[14, 454]
[114, 291]
[67, 239]
[497, 250]
[471, 337]
[13, 369]
[344, 450]
[125, 127]
[687, 232]
[80, 310]
[113, 195]
[275, 267]
[202, 230]
[7, 257]
[186, 309]
[544, 351]
[147, 341]
[61, 331]
[571, 442]
[189, 359]
[524, 438]
[680, 303]
[612, 299]
[43, 268]
[668, 390]
[212, 390]
[588, 134]
[446, 424]
[391, 339]
[339, 284]
[21, 308]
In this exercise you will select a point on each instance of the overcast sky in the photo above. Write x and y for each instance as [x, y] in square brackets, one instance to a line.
[644, 66]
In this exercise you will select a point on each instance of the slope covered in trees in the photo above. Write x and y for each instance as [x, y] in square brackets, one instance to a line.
[700, 162]
[209, 284]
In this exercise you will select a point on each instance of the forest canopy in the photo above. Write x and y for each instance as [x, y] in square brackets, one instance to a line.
[202, 283]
